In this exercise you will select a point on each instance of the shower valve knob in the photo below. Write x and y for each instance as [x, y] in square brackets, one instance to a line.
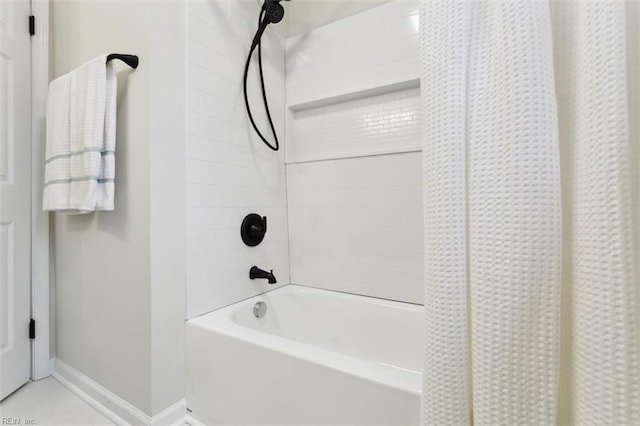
[256, 230]
[253, 229]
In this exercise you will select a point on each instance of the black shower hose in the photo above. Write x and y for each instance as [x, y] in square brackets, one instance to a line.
[264, 94]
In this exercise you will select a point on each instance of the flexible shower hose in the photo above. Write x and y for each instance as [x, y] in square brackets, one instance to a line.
[264, 94]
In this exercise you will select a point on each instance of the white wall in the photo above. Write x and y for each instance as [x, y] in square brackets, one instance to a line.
[354, 166]
[230, 172]
[356, 225]
[370, 50]
[304, 15]
[167, 221]
[120, 276]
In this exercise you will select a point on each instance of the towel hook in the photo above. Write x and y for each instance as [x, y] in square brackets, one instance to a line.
[131, 60]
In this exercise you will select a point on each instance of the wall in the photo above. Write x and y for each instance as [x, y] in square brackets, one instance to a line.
[120, 276]
[230, 172]
[354, 166]
[167, 222]
[304, 15]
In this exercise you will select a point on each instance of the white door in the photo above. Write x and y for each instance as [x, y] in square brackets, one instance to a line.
[15, 194]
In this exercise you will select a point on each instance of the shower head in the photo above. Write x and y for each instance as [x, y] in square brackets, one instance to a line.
[272, 12]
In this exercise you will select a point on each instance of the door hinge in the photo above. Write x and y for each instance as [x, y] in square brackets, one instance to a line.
[32, 25]
[32, 329]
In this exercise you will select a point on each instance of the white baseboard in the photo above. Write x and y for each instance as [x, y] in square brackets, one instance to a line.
[193, 422]
[111, 405]
[175, 415]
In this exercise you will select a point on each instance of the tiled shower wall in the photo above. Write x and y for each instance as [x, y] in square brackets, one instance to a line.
[366, 125]
[353, 156]
[229, 172]
[354, 166]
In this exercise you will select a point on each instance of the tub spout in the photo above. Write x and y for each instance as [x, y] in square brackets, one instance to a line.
[256, 272]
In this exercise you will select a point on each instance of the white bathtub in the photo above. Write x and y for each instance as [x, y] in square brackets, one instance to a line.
[316, 358]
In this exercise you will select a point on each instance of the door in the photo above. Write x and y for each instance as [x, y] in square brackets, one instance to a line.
[15, 194]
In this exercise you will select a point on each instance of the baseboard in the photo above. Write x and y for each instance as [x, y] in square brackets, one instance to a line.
[175, 415]
[193, 422]
[111, 405]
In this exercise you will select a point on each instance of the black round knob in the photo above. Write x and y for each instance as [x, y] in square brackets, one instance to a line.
[253, 229]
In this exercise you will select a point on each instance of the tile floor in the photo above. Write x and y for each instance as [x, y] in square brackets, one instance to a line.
[47, 402]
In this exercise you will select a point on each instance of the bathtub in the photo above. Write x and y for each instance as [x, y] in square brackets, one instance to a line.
[316, 357]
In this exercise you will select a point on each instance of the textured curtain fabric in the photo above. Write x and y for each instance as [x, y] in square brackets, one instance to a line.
[531, 198]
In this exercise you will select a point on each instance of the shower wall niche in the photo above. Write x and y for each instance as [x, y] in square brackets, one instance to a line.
[354, 162]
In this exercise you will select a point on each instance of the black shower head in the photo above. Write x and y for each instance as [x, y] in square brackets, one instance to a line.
[273, 11]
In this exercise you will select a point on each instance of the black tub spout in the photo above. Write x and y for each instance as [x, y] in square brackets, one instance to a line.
[256, 272]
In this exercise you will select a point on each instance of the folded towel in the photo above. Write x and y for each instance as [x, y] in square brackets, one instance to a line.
[81, 126]
[56, 174]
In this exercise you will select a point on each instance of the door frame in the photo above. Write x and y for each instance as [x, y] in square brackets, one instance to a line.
[40, 278]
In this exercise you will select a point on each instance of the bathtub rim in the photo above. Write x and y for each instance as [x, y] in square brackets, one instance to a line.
[221, 321]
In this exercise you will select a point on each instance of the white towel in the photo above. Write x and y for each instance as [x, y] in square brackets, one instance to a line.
[57, 173]
[81, 125]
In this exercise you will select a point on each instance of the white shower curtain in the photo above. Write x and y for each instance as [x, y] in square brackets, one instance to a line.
[531, 123]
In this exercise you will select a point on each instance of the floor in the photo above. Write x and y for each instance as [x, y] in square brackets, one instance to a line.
[47, 402]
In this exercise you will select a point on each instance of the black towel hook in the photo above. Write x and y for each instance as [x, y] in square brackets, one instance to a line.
[131, 60]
